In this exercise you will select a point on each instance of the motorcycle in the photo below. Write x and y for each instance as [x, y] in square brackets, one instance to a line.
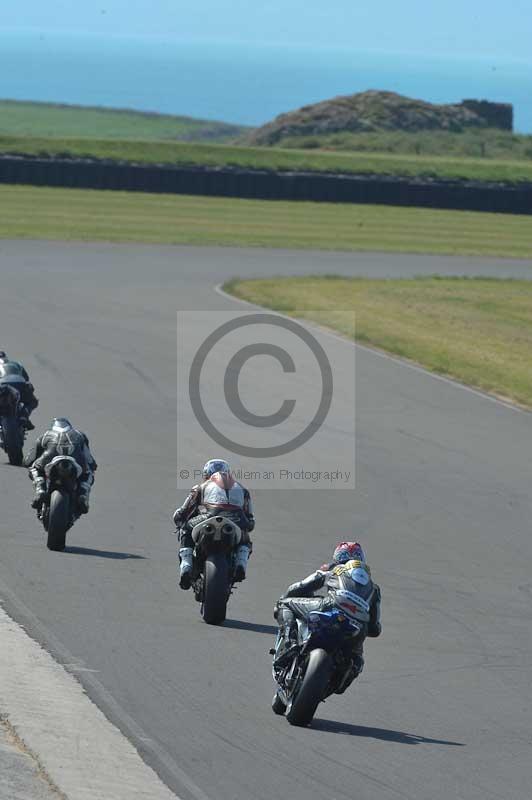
[59, 511]
[323, 664]
[12, 430]
[215, 542]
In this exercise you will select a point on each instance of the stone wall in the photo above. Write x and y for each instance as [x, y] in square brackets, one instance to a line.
[497, 115]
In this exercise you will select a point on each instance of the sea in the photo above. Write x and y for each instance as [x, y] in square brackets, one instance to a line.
[238, 82]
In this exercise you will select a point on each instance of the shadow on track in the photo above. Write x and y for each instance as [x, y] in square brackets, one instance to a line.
[384, 734]
[88, 551]
[250, 626]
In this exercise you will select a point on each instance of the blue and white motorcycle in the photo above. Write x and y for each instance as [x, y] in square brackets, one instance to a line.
[323, 663]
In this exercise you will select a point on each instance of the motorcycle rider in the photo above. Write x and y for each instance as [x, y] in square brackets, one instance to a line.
[219, 493]
[12, 373]
[61, 439]
[9, 402]
[347, 556]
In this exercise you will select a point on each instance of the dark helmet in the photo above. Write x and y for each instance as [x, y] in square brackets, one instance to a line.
[215, 465]
[3, 356]
[10, 367]
[348, 551]
[61, 425]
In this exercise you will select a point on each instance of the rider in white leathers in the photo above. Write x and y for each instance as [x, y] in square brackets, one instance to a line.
[219, 493]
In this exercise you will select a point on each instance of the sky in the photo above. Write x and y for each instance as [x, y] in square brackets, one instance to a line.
[498, 31]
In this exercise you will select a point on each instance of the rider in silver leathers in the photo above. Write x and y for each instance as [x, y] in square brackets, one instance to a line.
[62, 439]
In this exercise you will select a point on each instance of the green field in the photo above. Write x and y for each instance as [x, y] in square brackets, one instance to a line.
[52, 120]
[266, 158]
[473, 143]
[476, 330]
[51, 213]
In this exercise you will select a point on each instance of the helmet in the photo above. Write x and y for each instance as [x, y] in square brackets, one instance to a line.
[348, 551]
[10, 367]
[215, 465]
[61, 425]
[3, 356]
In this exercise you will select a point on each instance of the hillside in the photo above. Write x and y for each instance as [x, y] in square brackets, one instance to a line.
[374, 111]
[53, 119]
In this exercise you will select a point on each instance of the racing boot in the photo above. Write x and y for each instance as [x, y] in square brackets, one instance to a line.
[241, 562]
[287, 646]
[83, 497]
[185, 570]
[24, 417]
[39, 487]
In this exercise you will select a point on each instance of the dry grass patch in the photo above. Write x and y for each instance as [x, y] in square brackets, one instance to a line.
[477, 330]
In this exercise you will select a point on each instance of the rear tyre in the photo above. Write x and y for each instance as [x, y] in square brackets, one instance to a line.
[58, 520]
[311, 690]
[13, 440]
[278, 707]
[216, 589]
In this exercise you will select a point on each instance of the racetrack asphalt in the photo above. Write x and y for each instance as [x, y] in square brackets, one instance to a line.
[442, 504]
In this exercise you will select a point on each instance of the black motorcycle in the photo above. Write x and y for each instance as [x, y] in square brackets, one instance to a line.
[322, 663]
[59, 509]
[12, 430]
[215, 543]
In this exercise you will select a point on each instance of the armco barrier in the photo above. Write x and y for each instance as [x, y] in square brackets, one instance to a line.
[228, 182]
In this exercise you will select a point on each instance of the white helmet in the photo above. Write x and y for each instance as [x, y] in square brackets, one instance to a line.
[215, 465]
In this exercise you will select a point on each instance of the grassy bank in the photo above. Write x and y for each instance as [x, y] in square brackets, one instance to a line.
[50, 213]
[476, 330]
[265, 158]
[473, 143]
[61, 120]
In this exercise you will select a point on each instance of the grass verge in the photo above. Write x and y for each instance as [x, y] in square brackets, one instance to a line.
[476, 330]
[19, 118]
[76, 214]
[269, 158]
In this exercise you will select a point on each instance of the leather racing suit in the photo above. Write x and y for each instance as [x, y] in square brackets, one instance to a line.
[62, 442]
[13, 374]
[328, 580]
[218, 494]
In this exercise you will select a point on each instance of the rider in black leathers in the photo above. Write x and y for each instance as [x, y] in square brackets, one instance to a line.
[12, 373]
[326, 578]
[9, 403]
[61, 440]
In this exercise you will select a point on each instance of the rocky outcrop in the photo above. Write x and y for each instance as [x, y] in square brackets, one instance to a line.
[382, 111]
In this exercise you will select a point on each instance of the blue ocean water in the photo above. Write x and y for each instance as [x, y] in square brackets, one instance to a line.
[236, 82]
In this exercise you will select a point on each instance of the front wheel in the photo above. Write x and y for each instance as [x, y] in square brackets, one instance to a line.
[216, 588]
[58, 520]
[312, 688]
[13, 440]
